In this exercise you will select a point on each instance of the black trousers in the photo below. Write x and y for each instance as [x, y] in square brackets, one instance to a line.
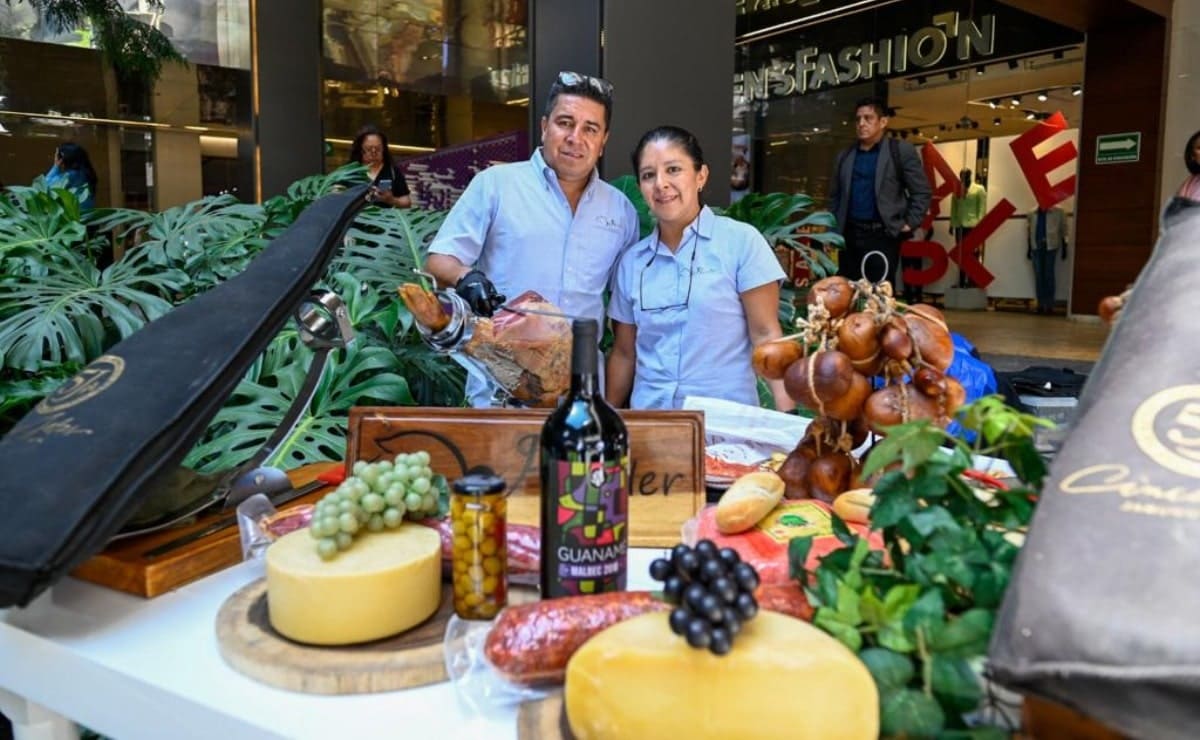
[861, 241]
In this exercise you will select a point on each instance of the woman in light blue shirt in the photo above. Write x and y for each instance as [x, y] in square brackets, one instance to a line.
[691, 301]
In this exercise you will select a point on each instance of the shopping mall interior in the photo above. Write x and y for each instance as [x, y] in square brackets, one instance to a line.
[456, 85]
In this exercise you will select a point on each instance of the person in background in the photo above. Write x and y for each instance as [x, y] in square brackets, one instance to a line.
[388, 187]
[72, 170]
[692, 300]
[966, 211]
[549, 224]
[879, 194]
[1047, 239]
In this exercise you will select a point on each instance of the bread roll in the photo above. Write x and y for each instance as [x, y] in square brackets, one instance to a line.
[748, 500]
[855, 506]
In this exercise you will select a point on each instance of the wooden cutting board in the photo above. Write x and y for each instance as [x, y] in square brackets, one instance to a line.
[413, 658]
[123, 566]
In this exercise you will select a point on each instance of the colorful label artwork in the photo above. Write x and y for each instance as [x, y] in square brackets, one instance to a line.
[592, 518]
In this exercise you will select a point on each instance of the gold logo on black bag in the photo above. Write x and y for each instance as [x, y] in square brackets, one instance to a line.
[93, 380]
[1166, 426]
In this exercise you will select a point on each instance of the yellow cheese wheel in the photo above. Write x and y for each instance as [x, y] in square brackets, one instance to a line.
[384, 584]
[784, 678]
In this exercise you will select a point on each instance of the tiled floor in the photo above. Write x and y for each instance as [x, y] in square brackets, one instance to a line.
[1030, 335]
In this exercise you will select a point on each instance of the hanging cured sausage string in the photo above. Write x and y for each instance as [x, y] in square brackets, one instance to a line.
[856, 332]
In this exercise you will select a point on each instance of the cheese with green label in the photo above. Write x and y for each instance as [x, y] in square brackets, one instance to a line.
[783, 679]
[385, 583]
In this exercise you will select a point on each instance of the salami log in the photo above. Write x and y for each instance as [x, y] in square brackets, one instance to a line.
[531, 643]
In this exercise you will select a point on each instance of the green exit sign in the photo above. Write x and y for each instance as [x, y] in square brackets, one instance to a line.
[1114, 148]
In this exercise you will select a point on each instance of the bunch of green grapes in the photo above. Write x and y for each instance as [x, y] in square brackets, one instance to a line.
[375, 497]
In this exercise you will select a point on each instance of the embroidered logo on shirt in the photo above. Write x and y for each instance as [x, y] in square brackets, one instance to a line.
[608, 222]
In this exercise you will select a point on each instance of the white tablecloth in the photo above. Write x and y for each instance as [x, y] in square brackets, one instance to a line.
[134, 668]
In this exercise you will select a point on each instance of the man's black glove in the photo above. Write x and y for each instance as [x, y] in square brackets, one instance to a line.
[479, 293]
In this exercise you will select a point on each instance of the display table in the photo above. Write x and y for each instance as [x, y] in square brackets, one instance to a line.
[134, 668]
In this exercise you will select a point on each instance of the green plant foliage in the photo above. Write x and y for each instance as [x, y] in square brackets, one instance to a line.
[357, 375]
[209, 240]
[72, 312]
[36, 224]
[282, 210]
[134, 49]
[59, 312]
[789, 220]
[920, 613]
[627, 184]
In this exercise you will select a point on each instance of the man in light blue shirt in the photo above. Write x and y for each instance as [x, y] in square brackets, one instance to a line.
[550, 224]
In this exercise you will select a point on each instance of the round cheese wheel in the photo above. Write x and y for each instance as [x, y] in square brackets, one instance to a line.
[385, 583]
[783, 679]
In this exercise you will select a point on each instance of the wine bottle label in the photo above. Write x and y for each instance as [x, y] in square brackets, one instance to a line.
[592, 514]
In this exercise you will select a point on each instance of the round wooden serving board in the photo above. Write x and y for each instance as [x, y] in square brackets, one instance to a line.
[412, 658]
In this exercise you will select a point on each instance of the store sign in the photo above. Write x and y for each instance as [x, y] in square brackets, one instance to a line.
[1116, 148]
[815, 69]
[757, 6]
[1036, 167]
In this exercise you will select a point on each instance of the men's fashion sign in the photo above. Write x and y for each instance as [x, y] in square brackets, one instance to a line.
[814, 69]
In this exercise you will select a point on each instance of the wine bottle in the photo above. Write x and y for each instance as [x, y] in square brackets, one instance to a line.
[585, 483]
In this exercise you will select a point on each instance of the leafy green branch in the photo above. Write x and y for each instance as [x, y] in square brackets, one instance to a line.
[920, 611]
[134, 49]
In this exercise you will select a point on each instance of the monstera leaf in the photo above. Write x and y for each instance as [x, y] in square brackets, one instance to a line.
[73, 314]
[282, 210]
[38, 225]
[354, 376]
[788, 219]
[385, 246]
[210, 240]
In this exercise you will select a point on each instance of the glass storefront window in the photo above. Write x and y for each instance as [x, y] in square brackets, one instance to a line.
[150, 148]
[964, 82]
[430, 73]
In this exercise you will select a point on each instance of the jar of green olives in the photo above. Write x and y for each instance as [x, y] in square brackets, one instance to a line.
[480, 558]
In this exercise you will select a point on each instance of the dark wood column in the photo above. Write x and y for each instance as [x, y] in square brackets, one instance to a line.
[660, 73]
[671, 62]
[1117, 205]
[563, 35]
[287, 132]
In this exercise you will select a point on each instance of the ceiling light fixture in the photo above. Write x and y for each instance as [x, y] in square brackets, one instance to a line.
[1076, 90]
[992, 104]
[1030, 116]
[1042, 96]
[1016, 100]
[995, 121]
[980, 69]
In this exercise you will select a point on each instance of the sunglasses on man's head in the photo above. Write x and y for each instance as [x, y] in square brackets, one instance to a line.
[575, 80]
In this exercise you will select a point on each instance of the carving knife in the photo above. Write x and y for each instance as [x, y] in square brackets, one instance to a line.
[277, 500]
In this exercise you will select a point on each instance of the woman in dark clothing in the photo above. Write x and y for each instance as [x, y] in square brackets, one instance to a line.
[388, 188]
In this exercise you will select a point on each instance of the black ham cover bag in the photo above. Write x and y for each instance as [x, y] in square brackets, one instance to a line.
[74, 469]
[1103, 612]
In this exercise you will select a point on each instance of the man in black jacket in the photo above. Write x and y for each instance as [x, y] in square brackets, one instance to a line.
[879, 194]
